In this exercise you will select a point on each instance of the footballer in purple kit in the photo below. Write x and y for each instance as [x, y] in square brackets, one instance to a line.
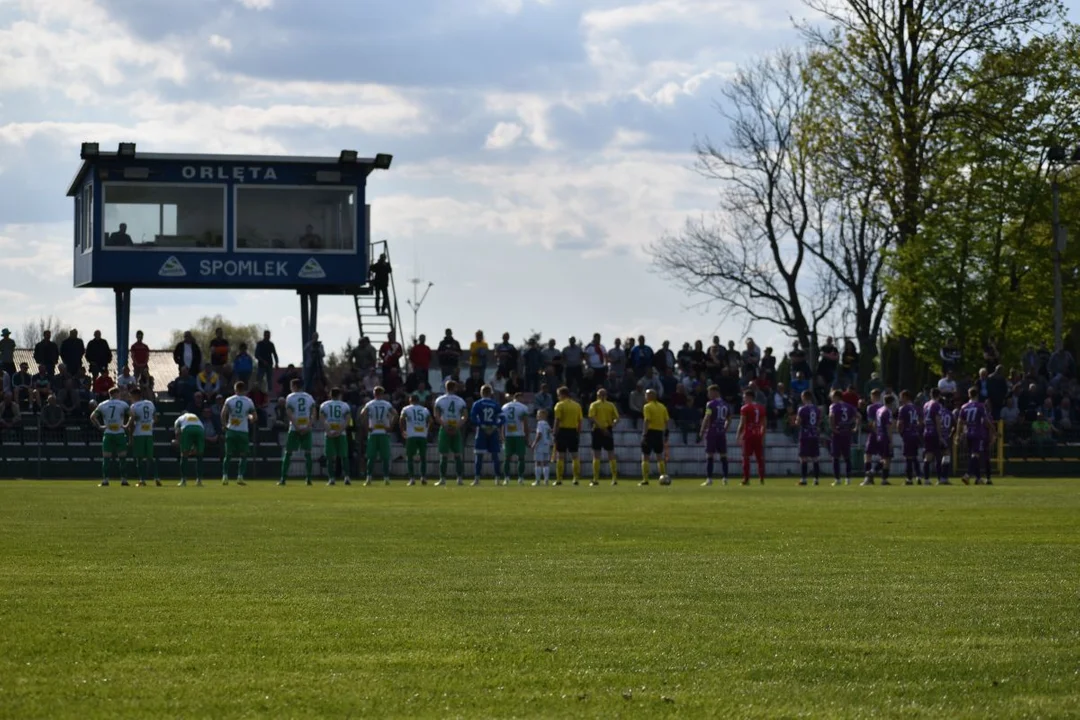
[934, 441]
[975, 423]
[714, 428]
[844, 420]
[871, 454]
[883, 429]
[808, 418]
[907, 424]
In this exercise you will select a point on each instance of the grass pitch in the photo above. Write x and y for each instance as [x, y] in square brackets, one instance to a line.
[546, 602]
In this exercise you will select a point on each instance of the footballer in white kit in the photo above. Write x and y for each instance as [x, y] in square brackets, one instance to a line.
[380, 417]
[415, 425]
[143, 417]
[237, 416]
[111, 417]
[301, 410]
[541, 446]
[515, 430]
[336, 414]
[450, 415]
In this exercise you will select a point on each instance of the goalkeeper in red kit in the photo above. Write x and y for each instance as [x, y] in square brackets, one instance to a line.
[751, 436]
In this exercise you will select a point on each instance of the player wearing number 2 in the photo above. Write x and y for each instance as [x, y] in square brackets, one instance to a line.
[300, 409]
[143, 417]
[111, 418]
[751, 436]
[237, 416]
[379, 416]
[515, 430]
[809, 437]
[335, 414]
[415, 425]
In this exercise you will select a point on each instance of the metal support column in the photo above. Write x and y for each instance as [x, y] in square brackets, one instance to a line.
[123, 326]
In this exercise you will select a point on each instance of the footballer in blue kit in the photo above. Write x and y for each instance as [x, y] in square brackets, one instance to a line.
[487, 417]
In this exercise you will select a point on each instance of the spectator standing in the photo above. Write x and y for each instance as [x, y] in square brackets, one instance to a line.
[506, 356]
[7, 352]
[478, 354]
[997, 390]
[543, 400]
[828, 362]
[99, 355]
[380, 283]
[849, 366]
[449, 352]
[768, 367]
[641, 357]
[72, 351]
[243, 365]
[596, 357]
[947, 386]
[950, 356]
[313, 362]
[420, 361]
[46, 354]
[798, 361]
[266, 358]
[534, 363]
[219, 350]
[139, 353]
[664, 358]
[553, 361]
[125, 381]
[991, 356]
[715, 359]
[572, 358]
[187, 354]
[616, 359]
[1061, 366]
[1042, 361]
[390, 354]
[364, 356]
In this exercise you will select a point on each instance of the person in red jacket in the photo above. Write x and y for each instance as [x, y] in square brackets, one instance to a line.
[390, 353]
[140, 354]
[751, 436]
[420, 359]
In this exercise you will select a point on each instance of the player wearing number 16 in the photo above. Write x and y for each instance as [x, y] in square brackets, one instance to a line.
[379, 416]
[300, 409]
[486, 416]
[335, 414]
[111, 418]
[237, 416]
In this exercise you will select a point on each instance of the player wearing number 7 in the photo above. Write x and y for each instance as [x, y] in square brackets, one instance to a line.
[111, 418]
[751, 436]
[236, 414]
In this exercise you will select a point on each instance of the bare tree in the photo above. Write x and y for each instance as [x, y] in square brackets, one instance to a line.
[34, 330]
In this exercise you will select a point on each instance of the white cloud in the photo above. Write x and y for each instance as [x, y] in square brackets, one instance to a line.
[625, 138]
[221, 43]
[503, 135]
[257, 4]
[532, 110]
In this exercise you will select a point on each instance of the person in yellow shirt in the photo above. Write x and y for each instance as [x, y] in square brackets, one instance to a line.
[567, 435]
[603, 415]
[654, 435]
[478, 354]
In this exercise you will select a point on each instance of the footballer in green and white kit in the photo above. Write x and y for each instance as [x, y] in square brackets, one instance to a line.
[143, 417]
[415, 425]
[515, 431]
[450, 414]
[191, 438]
[237, 417]
[301, 409]
[335, 414]
[111, 417]
[379, 415]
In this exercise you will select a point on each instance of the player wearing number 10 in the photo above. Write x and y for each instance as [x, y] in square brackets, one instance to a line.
[300, 409]
[487, 417]
[143, 417]
[515, 431]
[237, 414]
[111, 418]
[379, 416]
[335, 413]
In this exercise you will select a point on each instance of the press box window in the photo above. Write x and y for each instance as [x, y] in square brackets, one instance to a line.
[139, 216]
[296, 219]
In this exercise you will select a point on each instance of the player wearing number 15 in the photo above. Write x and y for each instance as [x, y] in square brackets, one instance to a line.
[111, 418]
[335, 414]
[300, 409]
[415, 425]
[237, 417]
[143, 417]
[515, 431]
[379, 416]
[568, 418]
[654, 435]
[751, 436]
[487, 417]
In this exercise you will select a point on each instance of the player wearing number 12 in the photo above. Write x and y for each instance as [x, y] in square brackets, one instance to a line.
[415, 425]
[515, 431]
[335, 414]
[141, 424]
[111, 418]
[237, 416]
[603, 415]
[379, 416]
[486, 416]
[300, 409]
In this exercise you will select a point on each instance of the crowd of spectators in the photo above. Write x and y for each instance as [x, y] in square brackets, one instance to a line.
[1037, 402]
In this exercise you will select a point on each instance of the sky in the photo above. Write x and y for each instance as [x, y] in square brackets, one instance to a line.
[539, 146]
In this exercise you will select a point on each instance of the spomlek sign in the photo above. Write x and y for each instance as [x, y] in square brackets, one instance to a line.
[310, 270]
[235, 173]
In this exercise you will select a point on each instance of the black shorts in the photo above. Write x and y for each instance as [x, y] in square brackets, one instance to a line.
[653, 442]
[567, 440]
[603, 440]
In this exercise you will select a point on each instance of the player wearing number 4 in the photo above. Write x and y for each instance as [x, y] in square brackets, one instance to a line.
[415, 425]
[379, 416]
[300, 409]
[450, 415]
[237, 415]
[487, 417]
[515, 431]
[335, 413]
[111, 418]
[143, 417]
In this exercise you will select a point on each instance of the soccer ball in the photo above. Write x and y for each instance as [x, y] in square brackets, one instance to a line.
[665, 479]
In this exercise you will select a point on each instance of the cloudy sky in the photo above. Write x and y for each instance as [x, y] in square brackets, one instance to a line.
[539, 145]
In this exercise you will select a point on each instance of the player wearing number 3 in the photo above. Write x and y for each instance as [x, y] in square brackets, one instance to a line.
[751, 436]
[236, 414]
[379, 416]
[300, 409]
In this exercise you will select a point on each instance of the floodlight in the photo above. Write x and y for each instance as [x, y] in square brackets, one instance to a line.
[383, 160]
[126, 149]
[1056, 154]
[347, 157]
[89, 150]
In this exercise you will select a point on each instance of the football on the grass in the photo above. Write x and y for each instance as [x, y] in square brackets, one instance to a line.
[665, 479]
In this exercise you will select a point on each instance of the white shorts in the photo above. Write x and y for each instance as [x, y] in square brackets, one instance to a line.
[542, 453]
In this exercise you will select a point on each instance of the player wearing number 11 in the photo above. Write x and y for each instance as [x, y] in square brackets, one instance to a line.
[236, 414]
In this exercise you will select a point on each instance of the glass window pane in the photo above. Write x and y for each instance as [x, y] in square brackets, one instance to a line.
[297, 219]
[88, 218]
[146, 217]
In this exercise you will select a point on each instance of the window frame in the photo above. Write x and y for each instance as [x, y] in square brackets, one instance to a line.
[351, 189]
[223, 188]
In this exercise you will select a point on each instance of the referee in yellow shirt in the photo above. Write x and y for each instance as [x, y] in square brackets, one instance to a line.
[654, 435]
[567, 434]
[603, 415]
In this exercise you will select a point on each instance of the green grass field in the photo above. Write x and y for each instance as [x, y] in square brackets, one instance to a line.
[544, 602]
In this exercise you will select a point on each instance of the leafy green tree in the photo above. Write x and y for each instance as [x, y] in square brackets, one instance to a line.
[205, 327]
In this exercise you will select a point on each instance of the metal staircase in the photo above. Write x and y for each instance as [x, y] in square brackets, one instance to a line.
[376, 326]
